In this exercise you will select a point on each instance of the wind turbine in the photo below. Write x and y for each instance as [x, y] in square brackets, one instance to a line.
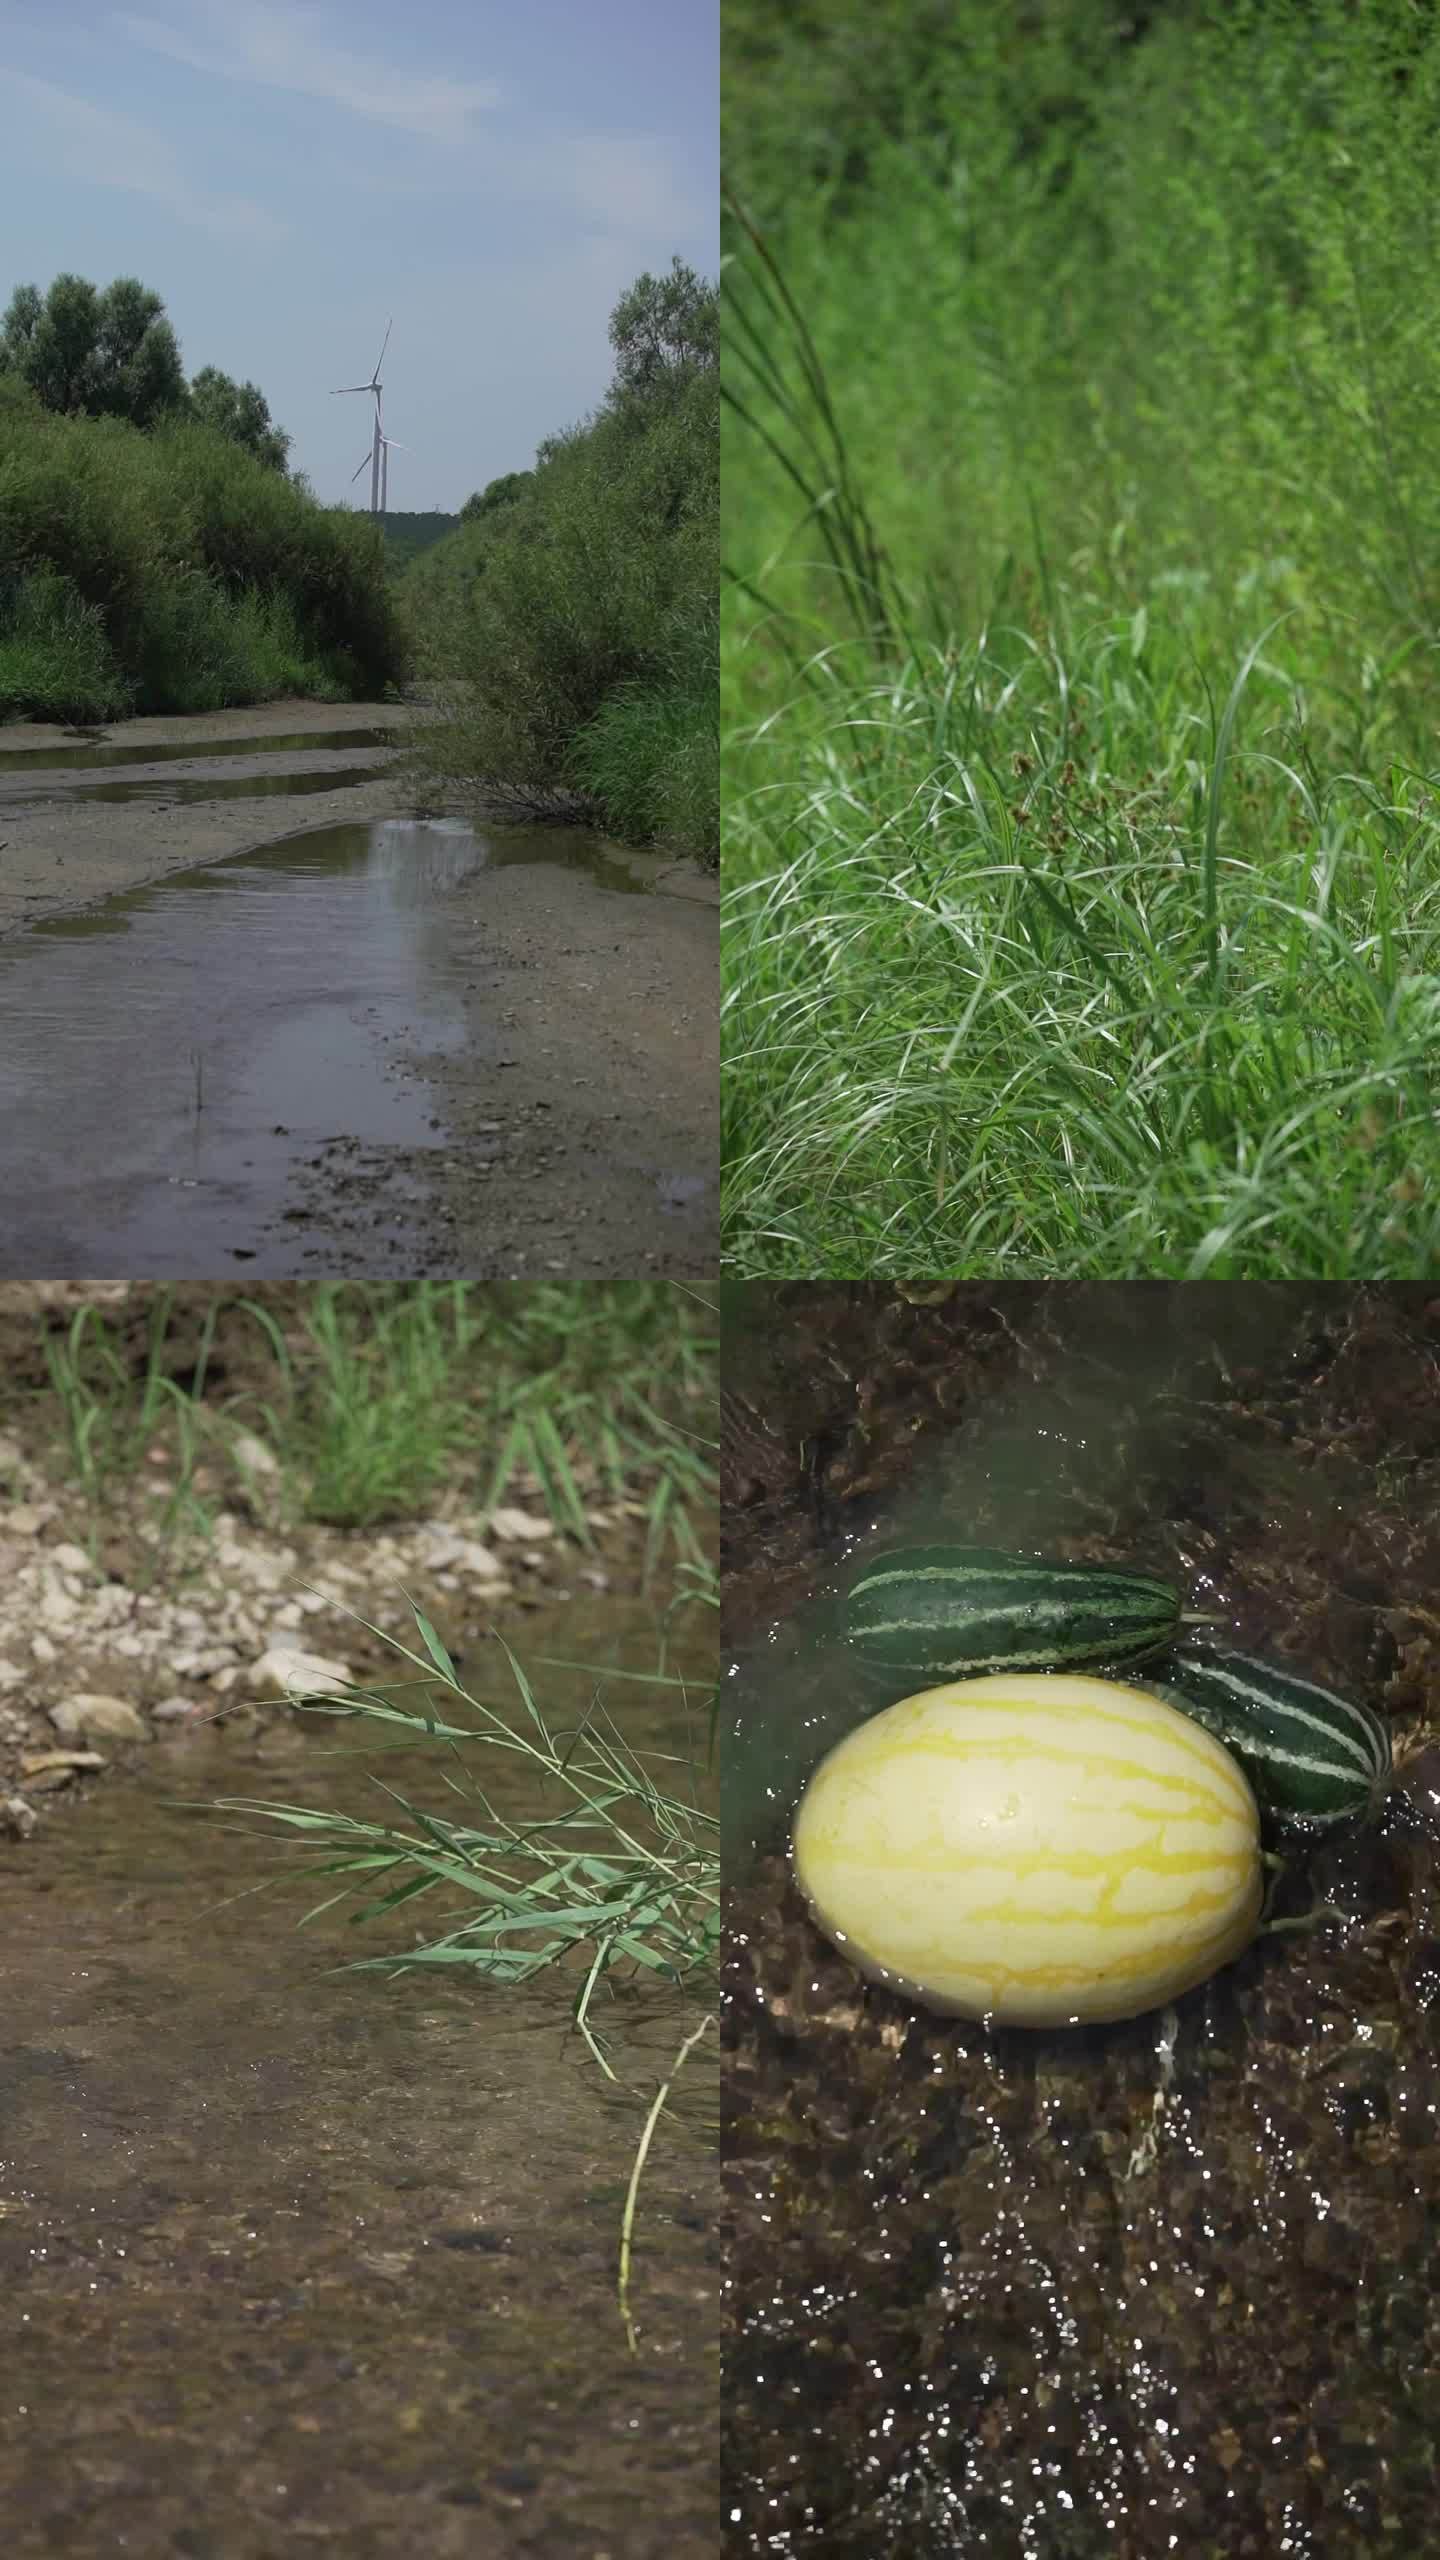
[377, 504]
[385, 444]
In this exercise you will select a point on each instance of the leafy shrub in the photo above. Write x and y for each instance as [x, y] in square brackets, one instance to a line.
[209, 577]
[55, 661]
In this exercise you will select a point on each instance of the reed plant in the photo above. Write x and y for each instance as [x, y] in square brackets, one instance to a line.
[611, 1874]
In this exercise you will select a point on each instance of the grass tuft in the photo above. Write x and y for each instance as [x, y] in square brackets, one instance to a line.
[375, 1400]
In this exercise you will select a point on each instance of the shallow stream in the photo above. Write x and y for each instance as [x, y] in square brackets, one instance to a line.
[293, 2259]
[79, 758]
[172, 1059]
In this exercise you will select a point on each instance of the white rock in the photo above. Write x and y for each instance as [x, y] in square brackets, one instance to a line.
[202, 1661]
[115, 1718]
[44, 1650]
[509, 1523]
[71, 1559]
[252, 1453]
[285, 1667]
[174, 1710]
[443, 1549]
[252, 1565]
[25, 1519]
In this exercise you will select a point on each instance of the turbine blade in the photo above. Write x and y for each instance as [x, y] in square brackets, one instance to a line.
[389, 325]
[350, 386]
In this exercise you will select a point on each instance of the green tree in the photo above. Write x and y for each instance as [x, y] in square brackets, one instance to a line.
[663, 331]
[581, 623]
[495, 494]
[110, 354]
[238, 410]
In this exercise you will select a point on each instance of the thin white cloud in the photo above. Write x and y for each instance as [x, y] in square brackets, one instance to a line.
[103, 148]
[292, 48]
[627, 181]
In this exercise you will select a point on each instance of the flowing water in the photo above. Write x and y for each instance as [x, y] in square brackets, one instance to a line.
[293, 2259]
[1168, 2286]
[172, 1059]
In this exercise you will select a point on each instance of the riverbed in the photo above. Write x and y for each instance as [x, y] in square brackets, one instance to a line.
[370, 1043]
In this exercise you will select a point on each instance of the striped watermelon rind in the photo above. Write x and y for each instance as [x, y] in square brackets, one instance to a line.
[954, 1613]
[1036, 1849]
[1312, 1756]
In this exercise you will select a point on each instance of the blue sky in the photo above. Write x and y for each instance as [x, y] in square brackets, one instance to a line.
[493, 173]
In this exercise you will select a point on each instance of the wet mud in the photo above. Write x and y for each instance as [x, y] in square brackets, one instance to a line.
[1165, 2286]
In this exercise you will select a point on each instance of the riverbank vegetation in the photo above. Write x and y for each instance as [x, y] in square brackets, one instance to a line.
[1079, 649]
[173, 570]
[570, 626]
[364, 1401]
[155, 553]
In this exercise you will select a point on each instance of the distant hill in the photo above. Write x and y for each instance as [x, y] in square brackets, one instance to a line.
[407, 535]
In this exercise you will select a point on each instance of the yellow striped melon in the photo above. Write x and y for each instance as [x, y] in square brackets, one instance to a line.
[1036, 1848]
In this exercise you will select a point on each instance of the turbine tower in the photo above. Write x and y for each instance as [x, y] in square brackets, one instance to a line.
[375, 455]
[385, 444]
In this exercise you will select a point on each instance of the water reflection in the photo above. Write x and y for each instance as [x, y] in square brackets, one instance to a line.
[73, 759]
[154, 1108]
[197, 791]
[158, 1100]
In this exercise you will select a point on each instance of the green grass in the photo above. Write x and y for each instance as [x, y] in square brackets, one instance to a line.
[613, 1873]
[372, 1400]
[650, 758]
[1079, 685]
